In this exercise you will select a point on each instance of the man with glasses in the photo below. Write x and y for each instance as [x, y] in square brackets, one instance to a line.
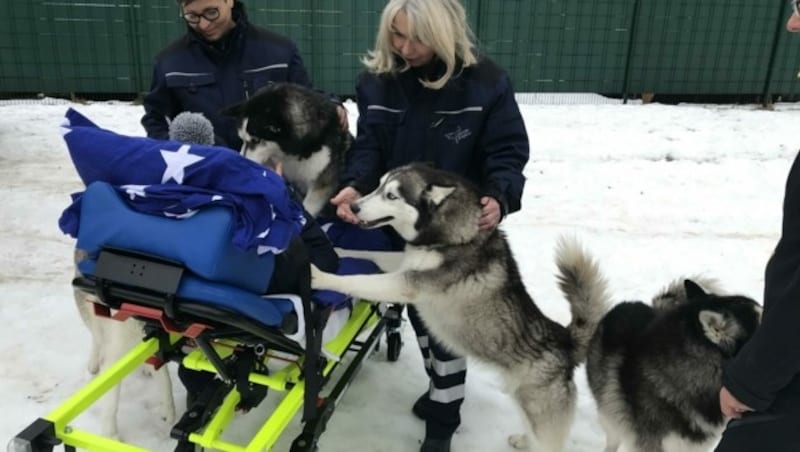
[761, 392]
[793, 24]
[220, 61]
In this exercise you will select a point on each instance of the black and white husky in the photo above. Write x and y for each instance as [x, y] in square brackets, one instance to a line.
[468, 290]
[299, 128]
[656, 371]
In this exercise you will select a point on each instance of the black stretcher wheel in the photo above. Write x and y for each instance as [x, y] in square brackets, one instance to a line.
[393, 345]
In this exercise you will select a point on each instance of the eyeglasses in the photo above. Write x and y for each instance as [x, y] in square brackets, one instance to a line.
[209, 14]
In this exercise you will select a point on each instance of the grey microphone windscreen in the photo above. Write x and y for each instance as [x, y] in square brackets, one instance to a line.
[192, 128]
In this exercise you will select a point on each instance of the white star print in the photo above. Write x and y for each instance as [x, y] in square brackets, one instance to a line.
[188, 214]
[65, 127]
[177, 161]
[135, 190]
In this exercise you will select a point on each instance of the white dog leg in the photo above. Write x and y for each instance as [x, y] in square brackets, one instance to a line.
[114, 350]
[314, 201]
[109, 416]
[519, 441]
[95, 355]
[83, 302]
[613, 437]
[168, 400]
[388, 261]
[550, 409]
[386, 287]
[122, 336]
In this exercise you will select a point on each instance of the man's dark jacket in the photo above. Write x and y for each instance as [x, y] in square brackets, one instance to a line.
[194, 75]
[765, 375]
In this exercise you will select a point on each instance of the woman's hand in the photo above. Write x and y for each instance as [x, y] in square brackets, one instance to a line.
[490, 213]
[342, 201]
[343, 121]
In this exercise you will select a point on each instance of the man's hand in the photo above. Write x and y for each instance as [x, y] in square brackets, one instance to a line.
[342, 201]
[730, 406]
[343, 122]
[490, 213]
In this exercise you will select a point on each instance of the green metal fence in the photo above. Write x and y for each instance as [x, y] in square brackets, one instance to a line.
[615, 47]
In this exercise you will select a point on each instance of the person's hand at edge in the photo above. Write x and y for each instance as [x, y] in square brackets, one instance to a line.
[491, 214]
[343, 200]
[731, 407]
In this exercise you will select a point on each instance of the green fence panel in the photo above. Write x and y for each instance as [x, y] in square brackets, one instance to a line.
[557, 46]
[702, 47]
[67, 46]
[158, 24]
[616, 47]
[341, 34]
[333, 35]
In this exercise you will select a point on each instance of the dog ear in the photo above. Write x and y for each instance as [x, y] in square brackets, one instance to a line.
[233, 110]
[719, 328]
[693, 290]
[438, 193]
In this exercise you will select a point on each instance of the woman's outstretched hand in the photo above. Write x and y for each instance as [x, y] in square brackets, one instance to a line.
[342, 201]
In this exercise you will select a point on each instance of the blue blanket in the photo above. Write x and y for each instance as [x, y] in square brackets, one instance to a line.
[174, 179]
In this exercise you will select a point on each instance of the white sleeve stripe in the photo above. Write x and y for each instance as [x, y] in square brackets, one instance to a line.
[266, 68]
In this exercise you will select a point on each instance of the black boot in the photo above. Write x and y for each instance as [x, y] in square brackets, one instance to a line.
[420, 408]
[436, 445]
[438, 434]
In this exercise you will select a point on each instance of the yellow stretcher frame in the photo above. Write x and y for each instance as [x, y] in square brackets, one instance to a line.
[363, 317]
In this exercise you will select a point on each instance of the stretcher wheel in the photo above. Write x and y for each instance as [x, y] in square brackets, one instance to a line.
[393, 345]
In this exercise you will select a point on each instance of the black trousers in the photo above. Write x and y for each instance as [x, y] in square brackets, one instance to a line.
[762, 432]
[284, 280]
[447, 374]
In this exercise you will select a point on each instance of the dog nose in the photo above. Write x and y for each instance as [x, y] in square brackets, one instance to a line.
[354, 208]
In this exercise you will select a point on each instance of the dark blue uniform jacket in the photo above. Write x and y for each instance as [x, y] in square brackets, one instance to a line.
[192, 74]
[472, 127]
[765, 375]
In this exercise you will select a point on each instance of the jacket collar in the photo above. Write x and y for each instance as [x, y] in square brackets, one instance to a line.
[431, 71]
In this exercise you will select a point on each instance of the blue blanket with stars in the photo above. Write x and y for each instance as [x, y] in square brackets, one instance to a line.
[176, 180]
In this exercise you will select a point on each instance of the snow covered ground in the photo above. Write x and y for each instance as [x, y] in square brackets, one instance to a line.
[654, 191]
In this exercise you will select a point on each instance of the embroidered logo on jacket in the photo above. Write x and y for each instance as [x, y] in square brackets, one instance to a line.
[457, 135]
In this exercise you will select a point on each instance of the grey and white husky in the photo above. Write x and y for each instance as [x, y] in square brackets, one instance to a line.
[299, 128]
[468, 290]
[656, 371]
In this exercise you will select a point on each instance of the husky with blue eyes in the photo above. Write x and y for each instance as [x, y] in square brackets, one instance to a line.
[468, 290]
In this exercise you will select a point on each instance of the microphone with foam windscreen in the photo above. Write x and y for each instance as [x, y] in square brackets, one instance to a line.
[192, 128]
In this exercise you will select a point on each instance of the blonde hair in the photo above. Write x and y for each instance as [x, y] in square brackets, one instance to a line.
[438, 24]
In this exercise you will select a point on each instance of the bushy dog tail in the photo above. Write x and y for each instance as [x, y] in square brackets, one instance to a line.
[584, 286]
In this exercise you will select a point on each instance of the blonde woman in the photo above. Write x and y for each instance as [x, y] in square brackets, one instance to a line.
[427, 95]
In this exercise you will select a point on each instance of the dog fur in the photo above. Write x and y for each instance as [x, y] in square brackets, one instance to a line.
[468, 290]
[111, 339]
[299, 128]
[656, 371]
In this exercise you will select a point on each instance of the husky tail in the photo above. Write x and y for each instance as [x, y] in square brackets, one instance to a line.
[586, 290]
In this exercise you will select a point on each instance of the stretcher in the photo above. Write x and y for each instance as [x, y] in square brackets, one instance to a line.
[202, 304]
